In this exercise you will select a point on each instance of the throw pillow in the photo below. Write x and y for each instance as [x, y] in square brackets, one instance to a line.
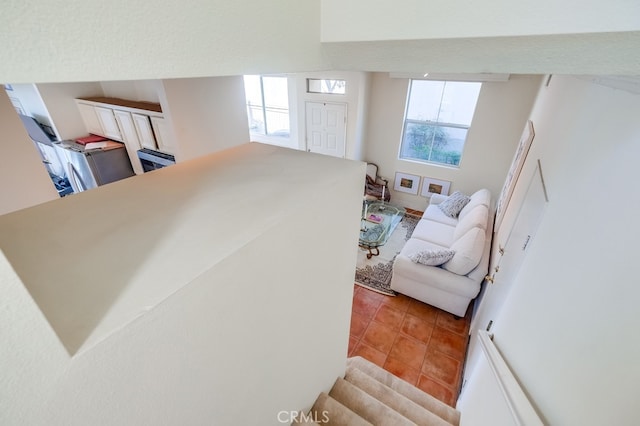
[454, 203]
[432, 257]
[469, 250]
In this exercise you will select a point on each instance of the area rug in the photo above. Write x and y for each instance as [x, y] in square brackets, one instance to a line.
[375, 273]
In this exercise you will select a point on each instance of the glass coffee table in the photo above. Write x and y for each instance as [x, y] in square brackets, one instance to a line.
[379, 219]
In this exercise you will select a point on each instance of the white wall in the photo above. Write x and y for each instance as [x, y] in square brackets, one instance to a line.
[207, 114]
[355, 98]
[215, 300]
[567, 328]
[31, 102]
[25, 179]
[133, 41]
[138, 90]
[60, 101]
[498, 122]
[250, 37]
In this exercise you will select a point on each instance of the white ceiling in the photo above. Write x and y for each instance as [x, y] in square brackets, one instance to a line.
[578, 54]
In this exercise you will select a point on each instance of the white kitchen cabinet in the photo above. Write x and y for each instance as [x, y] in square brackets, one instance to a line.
[90, 118]
[114, 118]
[164, 137]
[145, 133]
[130, 138]
[109, 124]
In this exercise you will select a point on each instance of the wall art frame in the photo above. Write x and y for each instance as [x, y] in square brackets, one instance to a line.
[405, 182]
[514, 172]
[432, 186]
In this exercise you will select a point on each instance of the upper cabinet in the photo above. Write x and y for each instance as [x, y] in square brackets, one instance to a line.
[163, 135]
[129, 137]
[145, 133]
[90, 118]
[108, 122]
[137, 124]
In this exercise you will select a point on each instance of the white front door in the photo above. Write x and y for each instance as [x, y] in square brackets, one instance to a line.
[326, 127]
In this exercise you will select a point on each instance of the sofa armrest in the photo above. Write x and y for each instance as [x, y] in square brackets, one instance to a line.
[437, 198]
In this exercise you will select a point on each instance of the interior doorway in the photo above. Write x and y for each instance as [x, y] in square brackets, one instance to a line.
[326, 125]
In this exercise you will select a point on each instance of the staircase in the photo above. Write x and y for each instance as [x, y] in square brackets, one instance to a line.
[369, 395]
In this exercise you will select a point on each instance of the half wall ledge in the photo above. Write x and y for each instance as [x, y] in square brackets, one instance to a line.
[96, 261]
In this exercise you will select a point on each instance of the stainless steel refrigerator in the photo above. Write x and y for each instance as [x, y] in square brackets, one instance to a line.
[89, 168]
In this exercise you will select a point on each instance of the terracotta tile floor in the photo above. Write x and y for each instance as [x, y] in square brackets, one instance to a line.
[419, 343]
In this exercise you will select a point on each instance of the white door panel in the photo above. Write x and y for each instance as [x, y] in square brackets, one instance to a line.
[515, 247]
[326, 128]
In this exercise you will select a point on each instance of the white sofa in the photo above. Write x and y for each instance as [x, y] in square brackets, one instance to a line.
[452, 285]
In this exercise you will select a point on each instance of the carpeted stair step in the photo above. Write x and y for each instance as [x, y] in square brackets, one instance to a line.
[332, 413]
[394, 400]
[428, 402]
[366, 406]
[304, 423]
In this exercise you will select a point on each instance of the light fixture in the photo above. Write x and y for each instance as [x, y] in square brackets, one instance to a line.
[426, 74]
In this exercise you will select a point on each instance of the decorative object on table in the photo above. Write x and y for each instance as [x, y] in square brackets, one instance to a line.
[373, 233]
[514, 171]
[374, 218]
[406, 183]
[432, 186]
[375, 273]
[375, 187]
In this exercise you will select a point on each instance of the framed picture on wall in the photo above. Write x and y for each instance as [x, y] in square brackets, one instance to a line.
[406, 183]
[432, 186]
[514, 172]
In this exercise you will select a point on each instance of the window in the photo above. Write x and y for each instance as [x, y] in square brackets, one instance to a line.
[437, 119]
[267, 105]
[333, 87]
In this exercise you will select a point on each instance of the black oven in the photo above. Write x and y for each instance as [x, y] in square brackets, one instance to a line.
[152, 160]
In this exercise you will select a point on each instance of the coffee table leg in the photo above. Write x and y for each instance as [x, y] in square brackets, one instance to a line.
[371, 253]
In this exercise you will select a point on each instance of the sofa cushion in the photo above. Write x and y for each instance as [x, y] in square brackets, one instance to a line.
[476, 218]
[454, 203]
[437, 198]
[414, 245]
[422, 279]
[481, 197]
[436, 232]
[468, 252]
[432, 257]
[434, 213]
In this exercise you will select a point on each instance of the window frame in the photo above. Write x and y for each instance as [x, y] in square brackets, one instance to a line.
[322, 92]
[442, 124]
[266, 137]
